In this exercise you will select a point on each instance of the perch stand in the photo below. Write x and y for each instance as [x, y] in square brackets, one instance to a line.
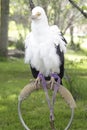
[28, 89]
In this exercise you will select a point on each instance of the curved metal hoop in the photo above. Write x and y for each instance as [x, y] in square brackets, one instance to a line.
[28, 89]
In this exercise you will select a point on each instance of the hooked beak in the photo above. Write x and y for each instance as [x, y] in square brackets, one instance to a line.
[33, 17]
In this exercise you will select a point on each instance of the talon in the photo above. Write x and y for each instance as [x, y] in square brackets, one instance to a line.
[52, 81]
[37, 82]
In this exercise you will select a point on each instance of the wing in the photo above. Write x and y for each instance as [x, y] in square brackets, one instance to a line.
[61, 35]
[58, 38]
[60, 45]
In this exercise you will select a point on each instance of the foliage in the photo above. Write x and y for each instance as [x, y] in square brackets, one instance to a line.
[20, 44]
[76, 74]
[19, 12]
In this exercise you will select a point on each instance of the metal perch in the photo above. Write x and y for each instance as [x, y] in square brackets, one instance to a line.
[28, 89]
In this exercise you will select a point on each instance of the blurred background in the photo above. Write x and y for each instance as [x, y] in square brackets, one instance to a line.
[15, 22]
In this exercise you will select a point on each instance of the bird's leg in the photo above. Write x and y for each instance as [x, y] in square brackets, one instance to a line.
[52, 80]
[48, 100]
[43, 82]
[55, 86]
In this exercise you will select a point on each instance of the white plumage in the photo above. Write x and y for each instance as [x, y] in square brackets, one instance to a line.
[41, 42]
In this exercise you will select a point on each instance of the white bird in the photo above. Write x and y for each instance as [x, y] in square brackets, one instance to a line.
[44, 46]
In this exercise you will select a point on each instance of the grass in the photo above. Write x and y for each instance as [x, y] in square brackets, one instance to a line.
[14, 75]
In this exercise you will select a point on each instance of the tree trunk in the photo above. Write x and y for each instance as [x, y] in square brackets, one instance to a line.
[4, 27]
[71, 35]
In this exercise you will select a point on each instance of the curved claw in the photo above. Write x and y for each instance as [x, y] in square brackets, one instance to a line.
[37, 82]
[54, 76]
[52, 82]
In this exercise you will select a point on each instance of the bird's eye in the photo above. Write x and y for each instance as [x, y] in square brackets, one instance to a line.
[38, 13]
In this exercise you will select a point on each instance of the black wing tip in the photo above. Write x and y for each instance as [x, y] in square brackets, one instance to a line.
[61, 34]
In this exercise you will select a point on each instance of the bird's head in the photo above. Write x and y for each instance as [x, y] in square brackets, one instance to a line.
[38, 14]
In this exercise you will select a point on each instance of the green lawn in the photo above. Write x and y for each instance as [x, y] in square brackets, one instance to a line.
[14, 75]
